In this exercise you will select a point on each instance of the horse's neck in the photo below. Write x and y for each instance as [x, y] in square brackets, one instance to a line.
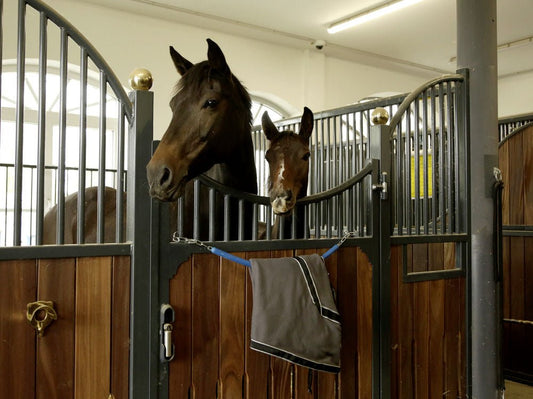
[237, 172]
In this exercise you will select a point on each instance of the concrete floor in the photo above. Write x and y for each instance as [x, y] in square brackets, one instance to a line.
[514, 390]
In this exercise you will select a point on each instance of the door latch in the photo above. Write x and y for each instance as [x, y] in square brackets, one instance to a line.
[167, 317]
[382, 186]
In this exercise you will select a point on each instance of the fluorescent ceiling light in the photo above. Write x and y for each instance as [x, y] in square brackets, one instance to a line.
[370, 14]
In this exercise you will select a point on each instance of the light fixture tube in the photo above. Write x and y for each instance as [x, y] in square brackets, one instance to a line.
[368, 15]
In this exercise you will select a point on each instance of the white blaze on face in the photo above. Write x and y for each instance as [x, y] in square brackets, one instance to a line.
[280, 204]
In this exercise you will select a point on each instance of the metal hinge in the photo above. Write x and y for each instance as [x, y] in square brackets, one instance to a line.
[382, 186]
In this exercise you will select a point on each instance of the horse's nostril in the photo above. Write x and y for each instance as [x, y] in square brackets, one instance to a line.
[165, 177]
[289, 195]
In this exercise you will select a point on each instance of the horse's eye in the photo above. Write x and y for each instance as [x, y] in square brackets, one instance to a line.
[306, 156]
[211, 103]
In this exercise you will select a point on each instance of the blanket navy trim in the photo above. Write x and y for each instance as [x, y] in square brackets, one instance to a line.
[328, 313]
[269, 350]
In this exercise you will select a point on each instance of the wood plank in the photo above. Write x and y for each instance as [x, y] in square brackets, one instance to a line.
[93, 328]
[395, 267]
[257, 364]
[180, 368]
[328, 382]
[527, 140]
[421, 338]
[364, 324]
[451, 337]
[406, 336]
[232, 327]
[436, 256]
[55, 350]
[205, 325]
[420, 257]
[347, 305]
[283, 373]
[503, 162]
[517, 299]
[506, 243]
[436, 345]
[120, 321]
[516, 181]
[18, 287]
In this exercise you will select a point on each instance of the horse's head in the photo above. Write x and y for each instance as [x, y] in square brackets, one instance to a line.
[288, 159]
[210, 118]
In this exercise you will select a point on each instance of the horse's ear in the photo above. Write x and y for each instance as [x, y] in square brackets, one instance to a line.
[216, 58]
[181, 64]
[269, 128]
[307, 123]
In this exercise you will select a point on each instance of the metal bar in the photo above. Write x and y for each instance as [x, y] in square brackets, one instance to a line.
[119, 235]
[41, 140]
[425, 203]
[226, 217]
[441, 161]
[254, 222]
[180, 214]
[456, 161]
[19, 134]
[407, 169]
[449, 160]
[212, 220]
[82, 162]
[416, 172]
[196, 210]
[240, 234]
[433, 162]
[60, 230]
[100, 219]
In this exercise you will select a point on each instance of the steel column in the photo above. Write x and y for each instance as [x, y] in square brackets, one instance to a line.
[143, 382]
[476, 50]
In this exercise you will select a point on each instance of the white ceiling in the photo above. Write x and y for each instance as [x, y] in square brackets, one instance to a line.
[422, 36]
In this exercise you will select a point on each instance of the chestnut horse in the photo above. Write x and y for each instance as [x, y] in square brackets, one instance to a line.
[210, 132]
[288, 159]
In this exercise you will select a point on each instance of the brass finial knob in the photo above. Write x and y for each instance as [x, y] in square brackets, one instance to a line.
[380, 116]
[140, 79]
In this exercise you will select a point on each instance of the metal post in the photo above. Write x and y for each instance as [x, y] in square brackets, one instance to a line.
[380, 149]
[476, 50]
[142, 377]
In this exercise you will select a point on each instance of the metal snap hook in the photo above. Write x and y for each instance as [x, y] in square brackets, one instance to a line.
[40, 315]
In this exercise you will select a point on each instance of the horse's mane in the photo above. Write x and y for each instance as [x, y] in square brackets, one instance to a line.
[190, 84]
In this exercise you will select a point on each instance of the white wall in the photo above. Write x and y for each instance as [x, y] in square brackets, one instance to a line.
[297, 76]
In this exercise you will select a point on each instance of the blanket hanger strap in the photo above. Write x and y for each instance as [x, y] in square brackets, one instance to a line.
[246, 262]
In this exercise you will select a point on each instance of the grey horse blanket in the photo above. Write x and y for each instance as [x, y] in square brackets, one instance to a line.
[294, 316]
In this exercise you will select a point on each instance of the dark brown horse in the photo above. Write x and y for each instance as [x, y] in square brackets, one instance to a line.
[209, 133]
[288, 160]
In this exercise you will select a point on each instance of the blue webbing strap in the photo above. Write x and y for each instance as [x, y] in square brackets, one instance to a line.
[246, 262]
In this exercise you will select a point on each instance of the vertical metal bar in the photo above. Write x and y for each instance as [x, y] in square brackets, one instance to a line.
[180, 214]
[196, 210]
[456, 160]
[119, 235]
[417, 166]
[442, 162]
[449, 160]
[306, 221]
[212, 212]
[19, 139]
[399, 187]
[82, 161]
[255, 207]
[407, 169]
[62, 139]
[226, 217]
[100, 219]
[425, 202]
[433, 164]
[268, 218]
[41, 140]
[322, 156]
[240, 234]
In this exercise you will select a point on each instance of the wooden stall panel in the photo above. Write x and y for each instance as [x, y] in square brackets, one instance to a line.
[527, 146]
[427, 334]
[55, 350]
[93, 328]
[515, 181]
[18, 286]
[364, 325]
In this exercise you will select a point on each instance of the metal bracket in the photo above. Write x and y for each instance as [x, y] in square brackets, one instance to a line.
[382, 186]
[167, 317]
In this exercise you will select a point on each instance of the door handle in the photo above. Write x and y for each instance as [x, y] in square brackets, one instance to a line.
[40, 315]
[167, 317]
